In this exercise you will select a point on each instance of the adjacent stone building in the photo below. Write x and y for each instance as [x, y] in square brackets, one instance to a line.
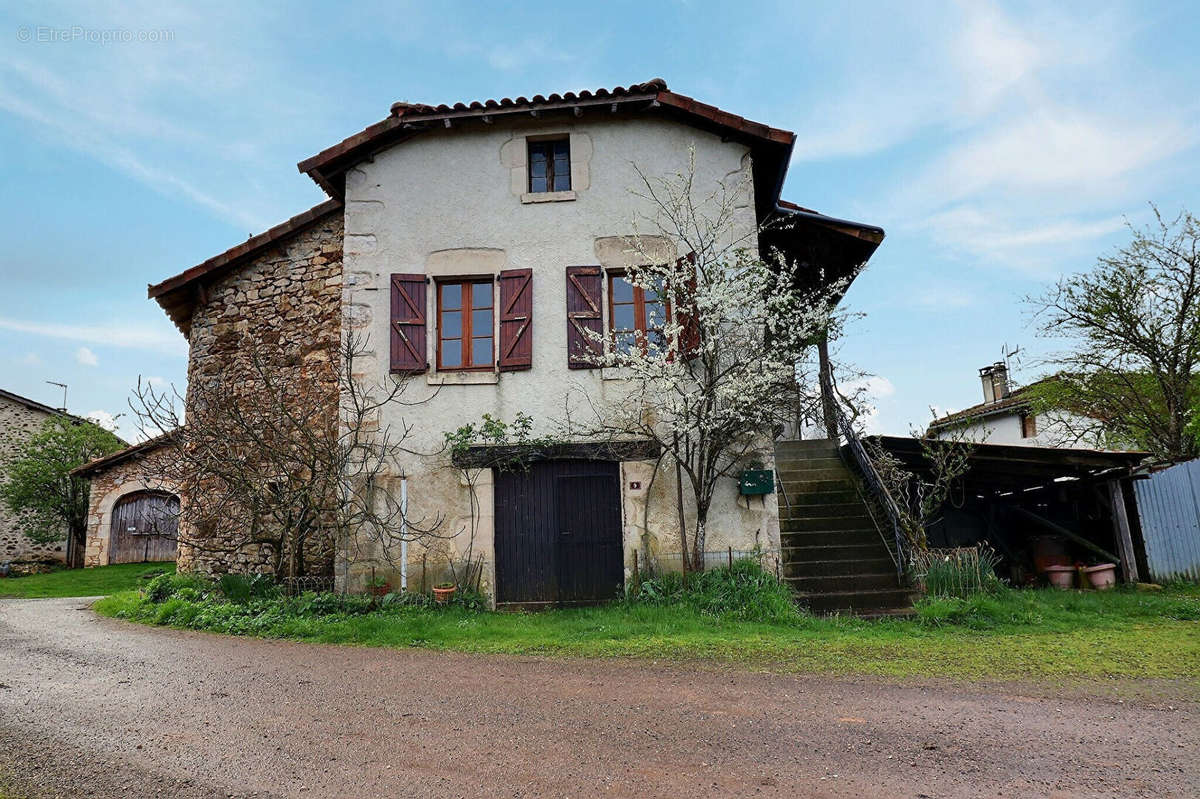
[20, 419]
[277, 296]
[133, 505]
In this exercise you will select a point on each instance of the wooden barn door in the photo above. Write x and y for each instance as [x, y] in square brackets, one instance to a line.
[558, 533]
[144, 528]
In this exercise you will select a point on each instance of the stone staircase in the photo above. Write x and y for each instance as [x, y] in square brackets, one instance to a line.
[833, 555]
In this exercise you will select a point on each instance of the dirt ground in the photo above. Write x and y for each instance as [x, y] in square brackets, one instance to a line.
[92, 707]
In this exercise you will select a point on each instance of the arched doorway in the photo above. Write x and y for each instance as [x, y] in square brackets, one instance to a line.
[144, 528]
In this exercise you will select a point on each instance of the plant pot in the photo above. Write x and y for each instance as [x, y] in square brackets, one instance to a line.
[1102, 576]
[442, 595]
[380, 590]
[1060, 576]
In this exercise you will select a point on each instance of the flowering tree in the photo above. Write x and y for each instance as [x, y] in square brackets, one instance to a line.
[716, 373]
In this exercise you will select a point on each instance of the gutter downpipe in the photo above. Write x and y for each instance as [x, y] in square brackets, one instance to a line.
[403, 533]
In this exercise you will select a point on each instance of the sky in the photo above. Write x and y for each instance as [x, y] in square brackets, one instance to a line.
[1000, 145]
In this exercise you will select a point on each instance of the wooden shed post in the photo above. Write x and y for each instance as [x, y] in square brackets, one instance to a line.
[1116, 497]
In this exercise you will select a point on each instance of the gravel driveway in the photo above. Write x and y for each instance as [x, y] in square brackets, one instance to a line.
[92, 707]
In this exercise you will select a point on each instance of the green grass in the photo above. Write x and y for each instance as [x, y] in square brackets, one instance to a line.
[100, 581]
[1012, 635]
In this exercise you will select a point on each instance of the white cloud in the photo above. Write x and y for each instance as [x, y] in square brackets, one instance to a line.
[85, 357]
[32, 359]
[105, 419]
[158, 338]
[1029, 245]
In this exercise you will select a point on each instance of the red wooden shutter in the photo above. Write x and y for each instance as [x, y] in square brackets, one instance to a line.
[685, 303]
[583, 314]
[408, 323]
[516, 319]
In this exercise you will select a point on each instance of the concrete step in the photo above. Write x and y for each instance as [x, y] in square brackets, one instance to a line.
[841, 583]
[846, 550]
[787, 474]
[831, 462]
[859, 521]
[867, 602]
[804, 499]
[818, 486]
[817, 511]
[805, 450]
[872, 562]
[797, 445]
[830, 538]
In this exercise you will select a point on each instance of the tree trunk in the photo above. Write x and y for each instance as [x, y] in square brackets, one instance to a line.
[828, 410]
[683, 544]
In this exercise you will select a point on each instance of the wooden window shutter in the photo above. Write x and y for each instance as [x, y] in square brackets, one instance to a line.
[516, 320]
[408, 324]
[685, 302]
[583, 314]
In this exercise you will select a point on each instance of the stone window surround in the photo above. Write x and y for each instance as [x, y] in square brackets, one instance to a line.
[461, 263]
[514, 154]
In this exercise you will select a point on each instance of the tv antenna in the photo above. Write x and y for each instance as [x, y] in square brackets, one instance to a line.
[63, 386]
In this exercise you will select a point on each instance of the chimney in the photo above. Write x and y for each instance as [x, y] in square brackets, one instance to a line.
[995, 381]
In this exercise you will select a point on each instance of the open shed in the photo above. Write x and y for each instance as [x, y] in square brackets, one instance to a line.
[1038, 504]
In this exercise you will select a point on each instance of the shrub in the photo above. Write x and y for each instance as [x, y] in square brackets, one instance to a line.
[742, 591]
[960, 572]
[240, 588]
[166, 586]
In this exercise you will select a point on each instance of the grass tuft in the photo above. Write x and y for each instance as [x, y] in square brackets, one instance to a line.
[82, 582]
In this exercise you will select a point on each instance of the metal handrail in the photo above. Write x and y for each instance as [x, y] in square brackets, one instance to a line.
[872, 480]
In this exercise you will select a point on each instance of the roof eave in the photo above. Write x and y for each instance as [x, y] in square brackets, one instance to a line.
[774, 145]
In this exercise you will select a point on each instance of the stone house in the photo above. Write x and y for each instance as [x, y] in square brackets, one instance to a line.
[468, 243]
[20, 419]
[133, 505]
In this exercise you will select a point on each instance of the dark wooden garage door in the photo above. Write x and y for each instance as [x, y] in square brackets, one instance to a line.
[558, 533]
[143, 528]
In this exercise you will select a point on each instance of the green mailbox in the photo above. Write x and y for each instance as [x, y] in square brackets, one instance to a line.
[756, 482]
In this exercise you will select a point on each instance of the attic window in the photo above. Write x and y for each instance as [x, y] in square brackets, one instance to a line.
[549, 165]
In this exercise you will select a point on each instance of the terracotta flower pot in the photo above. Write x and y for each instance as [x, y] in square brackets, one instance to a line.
[1102, 576]
[380, 590]
[1060, 576]
[442, 594]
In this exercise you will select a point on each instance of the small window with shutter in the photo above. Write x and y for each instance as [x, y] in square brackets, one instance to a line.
[1028, 425]
[636, 315]
[465, 325]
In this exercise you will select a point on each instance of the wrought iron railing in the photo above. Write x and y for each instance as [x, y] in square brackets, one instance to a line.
[879, 497]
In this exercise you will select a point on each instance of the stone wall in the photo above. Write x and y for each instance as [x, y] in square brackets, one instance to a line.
[142, 472]
[19, 423]
[285, 302]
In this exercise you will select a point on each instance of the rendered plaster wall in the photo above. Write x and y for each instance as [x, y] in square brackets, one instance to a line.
[1052, 431]
[453, 203]
[19, 423]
